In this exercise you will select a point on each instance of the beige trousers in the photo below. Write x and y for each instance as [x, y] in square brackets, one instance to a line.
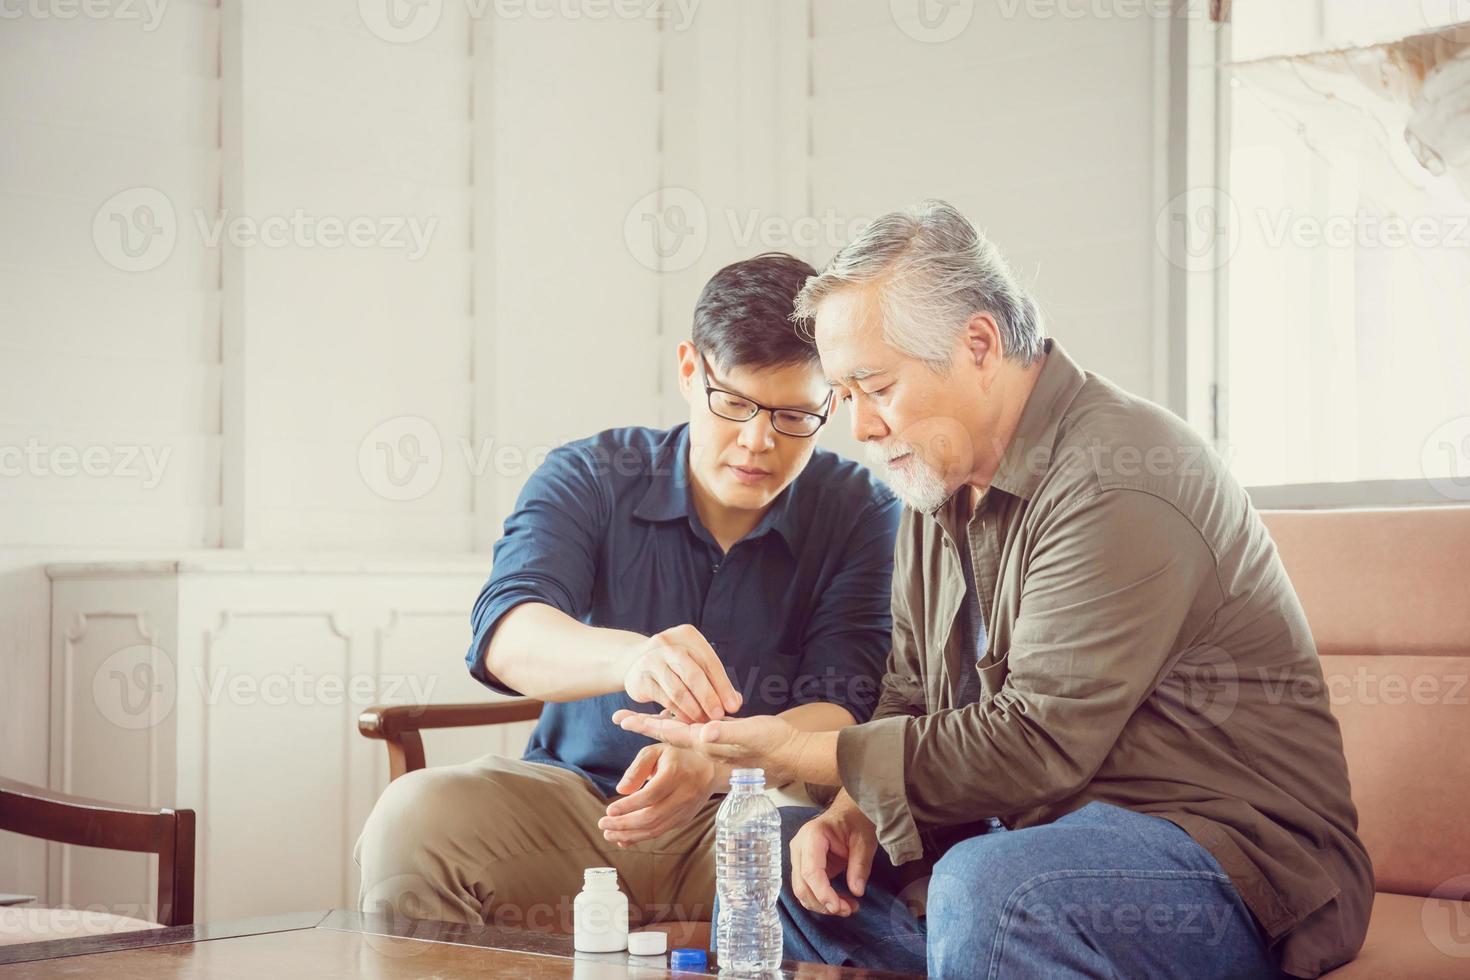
[504, 842]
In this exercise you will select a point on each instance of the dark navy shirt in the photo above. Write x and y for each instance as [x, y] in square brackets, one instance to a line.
[605, 530]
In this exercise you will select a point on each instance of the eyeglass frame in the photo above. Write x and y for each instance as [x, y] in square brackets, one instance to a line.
[710, 389]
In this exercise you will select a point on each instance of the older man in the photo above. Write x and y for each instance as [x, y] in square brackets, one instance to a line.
[1103, 739]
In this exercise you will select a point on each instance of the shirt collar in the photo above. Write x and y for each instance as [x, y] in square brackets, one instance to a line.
[668, 497]
[1028, 455]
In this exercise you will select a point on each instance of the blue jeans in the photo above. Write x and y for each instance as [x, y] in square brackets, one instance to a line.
[1102, 892]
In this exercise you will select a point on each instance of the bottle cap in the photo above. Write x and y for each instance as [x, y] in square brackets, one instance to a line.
[648, 943]
[748, 776]
[688, 959]
[600, 876]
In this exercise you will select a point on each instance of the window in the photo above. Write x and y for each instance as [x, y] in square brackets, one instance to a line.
[1344, 355]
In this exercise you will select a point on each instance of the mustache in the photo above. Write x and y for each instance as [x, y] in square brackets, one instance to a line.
[883, 455]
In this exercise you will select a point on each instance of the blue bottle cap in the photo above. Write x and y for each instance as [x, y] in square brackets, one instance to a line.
[689, 959]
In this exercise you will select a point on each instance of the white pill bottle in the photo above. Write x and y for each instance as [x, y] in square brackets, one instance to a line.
[600, 913]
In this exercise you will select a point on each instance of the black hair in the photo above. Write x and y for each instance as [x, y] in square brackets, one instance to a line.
[743, 317]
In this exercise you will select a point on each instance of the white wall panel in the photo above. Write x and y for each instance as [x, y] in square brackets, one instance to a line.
[1040, 129]
[92, 355]
[566, 142]
[338, 126]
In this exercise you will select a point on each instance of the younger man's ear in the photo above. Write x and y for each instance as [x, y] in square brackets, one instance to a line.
[688, 366]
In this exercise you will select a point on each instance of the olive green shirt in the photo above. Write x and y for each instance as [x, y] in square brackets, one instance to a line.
[1145, 649]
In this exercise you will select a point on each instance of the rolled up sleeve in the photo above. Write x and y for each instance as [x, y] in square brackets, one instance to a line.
[1114, 586]
[848, 633]
[548, 553]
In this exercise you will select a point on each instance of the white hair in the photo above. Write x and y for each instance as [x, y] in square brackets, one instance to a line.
[935, 272]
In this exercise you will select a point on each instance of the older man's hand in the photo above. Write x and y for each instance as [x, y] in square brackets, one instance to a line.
[841, 840]
[759, 742]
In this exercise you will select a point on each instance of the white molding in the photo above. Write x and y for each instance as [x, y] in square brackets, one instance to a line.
[237, 562]
[237, 462]
[63, 738]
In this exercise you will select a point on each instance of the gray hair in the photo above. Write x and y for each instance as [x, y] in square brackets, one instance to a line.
[936, 272]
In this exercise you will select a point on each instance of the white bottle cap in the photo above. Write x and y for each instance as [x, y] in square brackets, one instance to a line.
[648, 943]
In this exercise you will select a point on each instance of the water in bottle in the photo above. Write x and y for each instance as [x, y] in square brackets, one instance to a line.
[748, 876]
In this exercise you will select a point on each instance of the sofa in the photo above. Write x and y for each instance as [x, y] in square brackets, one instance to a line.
[1387, 594]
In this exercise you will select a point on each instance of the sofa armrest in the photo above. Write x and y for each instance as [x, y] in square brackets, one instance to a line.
[399, 725]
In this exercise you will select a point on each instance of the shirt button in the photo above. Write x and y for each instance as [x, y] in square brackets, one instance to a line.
[715, 567]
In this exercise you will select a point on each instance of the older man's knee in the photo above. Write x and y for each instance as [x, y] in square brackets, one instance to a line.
[963, 903]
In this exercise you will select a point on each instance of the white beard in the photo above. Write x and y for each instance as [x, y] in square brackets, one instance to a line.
[918, 484]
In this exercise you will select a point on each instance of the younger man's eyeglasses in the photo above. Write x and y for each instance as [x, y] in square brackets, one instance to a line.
[738, 408]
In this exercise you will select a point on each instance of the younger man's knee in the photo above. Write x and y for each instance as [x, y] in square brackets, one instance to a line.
[414, 811]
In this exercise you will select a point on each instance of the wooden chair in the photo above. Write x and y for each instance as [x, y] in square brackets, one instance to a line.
[398, 726]
[64, 819]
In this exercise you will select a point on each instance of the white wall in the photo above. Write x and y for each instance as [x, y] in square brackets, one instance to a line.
[1038, 128]
[92, 356]
[294, 387]
[524, 150]
[325, 119]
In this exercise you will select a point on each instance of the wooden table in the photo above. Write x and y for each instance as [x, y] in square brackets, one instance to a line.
[340, 944]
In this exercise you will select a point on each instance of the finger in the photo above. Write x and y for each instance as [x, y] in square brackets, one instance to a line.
[671, 731]
[814, 873]
[691, 672]
[714, 669]
[824, 897]
[722, 740]
[799, 845]
[654, 726]
[655, 790]
[649, 805]
[860, 849]
[621, 713]
[643, 767]
[726, 730]
[677, 696]
[640, 819]
[734, 732]
[651, 815]
[623, 838]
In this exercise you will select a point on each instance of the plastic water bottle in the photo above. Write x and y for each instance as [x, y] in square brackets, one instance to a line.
[748, 876]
